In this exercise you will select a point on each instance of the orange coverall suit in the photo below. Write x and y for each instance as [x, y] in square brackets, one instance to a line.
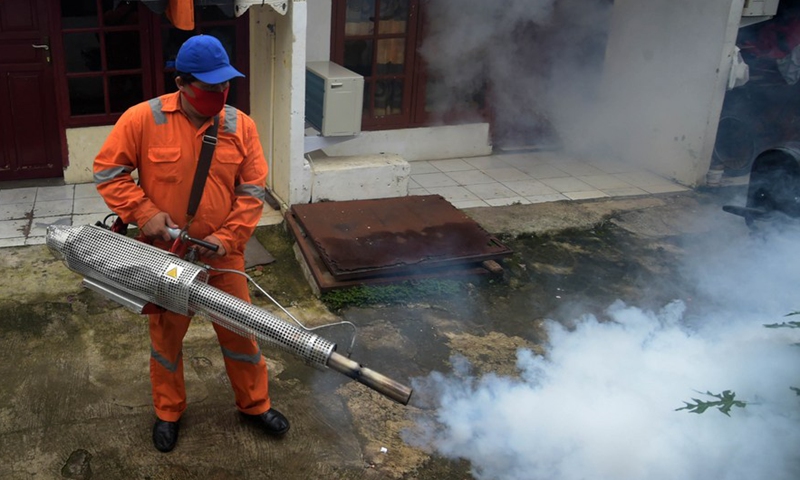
[156, 138]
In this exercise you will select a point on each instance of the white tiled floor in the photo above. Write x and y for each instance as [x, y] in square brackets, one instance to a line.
[496, 180]
[531, 177]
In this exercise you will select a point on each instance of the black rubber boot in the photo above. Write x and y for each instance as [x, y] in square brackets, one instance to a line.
[272, 422]
[165, 435]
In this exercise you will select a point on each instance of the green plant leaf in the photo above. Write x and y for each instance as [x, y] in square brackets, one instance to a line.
[784, 324]
[724, 403]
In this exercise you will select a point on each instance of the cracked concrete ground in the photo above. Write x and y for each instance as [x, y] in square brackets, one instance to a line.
[75, 396]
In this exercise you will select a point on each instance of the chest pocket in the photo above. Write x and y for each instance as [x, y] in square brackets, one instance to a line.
[225, 167]
[228, 155]
[164, 162]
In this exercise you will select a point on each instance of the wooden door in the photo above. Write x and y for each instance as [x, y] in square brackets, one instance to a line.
[29, 136]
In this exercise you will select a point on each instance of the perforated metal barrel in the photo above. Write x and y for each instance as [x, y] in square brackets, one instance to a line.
[177, 285]
[248, 320]
[134, 267]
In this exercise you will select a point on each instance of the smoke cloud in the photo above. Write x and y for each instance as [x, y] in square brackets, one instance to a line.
[536, 62]
[602, 402]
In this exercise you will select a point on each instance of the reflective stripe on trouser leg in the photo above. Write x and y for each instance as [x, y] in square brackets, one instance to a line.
[246, 367]
[166, 364]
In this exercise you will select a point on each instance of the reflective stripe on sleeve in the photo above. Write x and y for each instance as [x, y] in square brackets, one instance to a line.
[110, 174]
[249, 190]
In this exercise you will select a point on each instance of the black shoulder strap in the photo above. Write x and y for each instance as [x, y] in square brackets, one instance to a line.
[203, 165]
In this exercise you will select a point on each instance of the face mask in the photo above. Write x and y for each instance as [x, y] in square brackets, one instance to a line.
[207, 103]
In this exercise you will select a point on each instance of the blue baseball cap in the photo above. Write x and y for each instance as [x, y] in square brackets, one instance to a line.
[206, 59]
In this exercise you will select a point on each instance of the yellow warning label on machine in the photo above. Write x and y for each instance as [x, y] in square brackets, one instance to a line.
[173, 271]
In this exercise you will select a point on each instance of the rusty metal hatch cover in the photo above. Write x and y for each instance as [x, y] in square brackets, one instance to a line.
[391, 236]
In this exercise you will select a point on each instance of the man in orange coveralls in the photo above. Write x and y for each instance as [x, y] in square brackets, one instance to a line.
[161, 138]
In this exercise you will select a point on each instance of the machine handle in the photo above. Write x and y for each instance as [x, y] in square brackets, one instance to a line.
[211, 246]
[175, 233]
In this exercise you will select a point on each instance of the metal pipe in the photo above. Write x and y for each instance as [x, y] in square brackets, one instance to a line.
[745, 211]
[374, 380]
[130, 273]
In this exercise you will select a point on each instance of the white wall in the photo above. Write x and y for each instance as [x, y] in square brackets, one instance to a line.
[667, 64]
[82, 146]
[318, 44]
[277, 69]
[425, 143]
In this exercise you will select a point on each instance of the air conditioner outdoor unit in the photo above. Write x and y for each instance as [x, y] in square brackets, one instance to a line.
[334, 99]
[760, 8]
[757, 11]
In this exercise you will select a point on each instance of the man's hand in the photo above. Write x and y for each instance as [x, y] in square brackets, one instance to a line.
[156, 227]
[210, 254]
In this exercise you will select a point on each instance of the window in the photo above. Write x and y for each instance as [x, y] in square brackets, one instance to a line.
[115, 57]
[103, 57]
[379, 39]
[376, 39]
